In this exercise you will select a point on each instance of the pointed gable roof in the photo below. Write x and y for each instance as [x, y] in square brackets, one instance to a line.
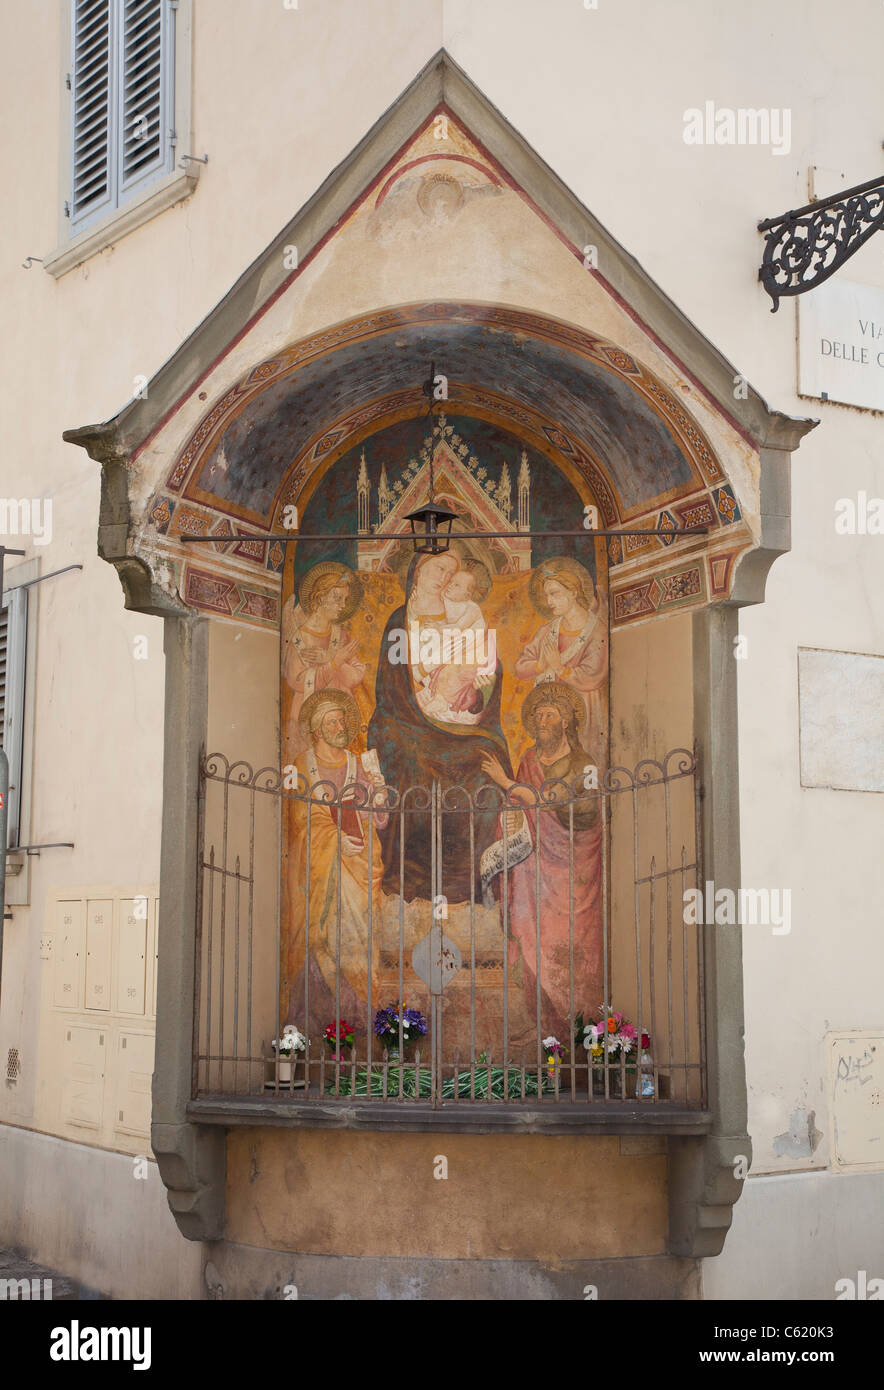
[441, 91]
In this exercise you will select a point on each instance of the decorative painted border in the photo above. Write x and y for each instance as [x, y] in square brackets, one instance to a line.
[687, 435]
[226, 597]
[661, 592]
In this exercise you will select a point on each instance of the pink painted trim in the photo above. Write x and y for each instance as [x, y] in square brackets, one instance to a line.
[505, 178]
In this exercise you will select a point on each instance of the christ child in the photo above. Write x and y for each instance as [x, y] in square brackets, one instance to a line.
[450, 693]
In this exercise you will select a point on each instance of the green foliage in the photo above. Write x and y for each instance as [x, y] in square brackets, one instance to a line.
[489, 1084]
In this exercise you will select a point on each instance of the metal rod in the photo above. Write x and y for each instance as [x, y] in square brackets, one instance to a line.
[638, 939]
[538, 838]
[701, 930]
[820, 203]
[401, 954]
[307, 1029]
[371, 832]
[571, 947]
[338, 902]
[209, 979]
[34, 849]
[639, 1050]
[586, 533]
[684, 966]
[606, 825]
[41, 578]
[473, 951]
[440, 1075]
[249, 944]
[221, 996]
[668, 930]
[198, 929]
[506, 917]
[664, 873]
[236, 903]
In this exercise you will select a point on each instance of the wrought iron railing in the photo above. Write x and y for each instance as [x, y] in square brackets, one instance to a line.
[577, 902]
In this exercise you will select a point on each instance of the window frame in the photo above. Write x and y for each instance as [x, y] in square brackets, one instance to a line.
[150, 193]
[18, 580]
[14, 703]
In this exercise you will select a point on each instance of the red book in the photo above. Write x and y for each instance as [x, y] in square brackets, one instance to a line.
[349, 821]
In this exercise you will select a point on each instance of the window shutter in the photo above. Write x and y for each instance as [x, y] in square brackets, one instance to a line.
[92, 84]
[146, 83]
[4, 636]
[13, 650]
[123, 83]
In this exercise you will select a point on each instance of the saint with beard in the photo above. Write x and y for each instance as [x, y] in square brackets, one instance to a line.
[540, 885]
[327, 820]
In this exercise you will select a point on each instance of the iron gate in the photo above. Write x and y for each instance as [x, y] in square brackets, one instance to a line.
[485, 980]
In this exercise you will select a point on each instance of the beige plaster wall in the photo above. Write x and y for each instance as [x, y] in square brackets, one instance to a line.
[240, 917]
[651, 689]
[688, 215]
[529, 1197]
[651, 949]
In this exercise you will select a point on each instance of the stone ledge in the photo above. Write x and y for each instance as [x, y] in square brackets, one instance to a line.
[612, 1119]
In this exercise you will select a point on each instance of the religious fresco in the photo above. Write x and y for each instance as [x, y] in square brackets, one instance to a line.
[591, 408]
[592, 400]
[479, 671]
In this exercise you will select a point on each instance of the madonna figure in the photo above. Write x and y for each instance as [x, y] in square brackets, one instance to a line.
[416, 749]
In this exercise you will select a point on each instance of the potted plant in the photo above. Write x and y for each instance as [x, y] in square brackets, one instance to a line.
[286, 1050]
[611, 1033]
[387, 1027]
[339, 1034]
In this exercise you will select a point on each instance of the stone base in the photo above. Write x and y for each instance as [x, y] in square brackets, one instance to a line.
[246, 1272]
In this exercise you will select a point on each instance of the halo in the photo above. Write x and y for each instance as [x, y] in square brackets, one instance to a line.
[333, 699]
[482, 581]
[339, 570]
[551, 693]
[439, 191]
[557, 568]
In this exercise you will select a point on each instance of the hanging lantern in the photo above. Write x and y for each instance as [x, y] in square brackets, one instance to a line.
[431, 527]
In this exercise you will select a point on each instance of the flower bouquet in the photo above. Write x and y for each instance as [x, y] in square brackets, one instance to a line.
[611, 1033]
[340, 1034]
[555, 1054]
[386, 1027]
[286, 1050]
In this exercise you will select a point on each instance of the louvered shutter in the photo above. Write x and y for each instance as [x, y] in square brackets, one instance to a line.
[13, 647]
[122, 83]
[146, 87]
[4, 636]
[92, 83]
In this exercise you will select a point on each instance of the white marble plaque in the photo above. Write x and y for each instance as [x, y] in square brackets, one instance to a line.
[841, 343]
[841, 720]
[856, 1074]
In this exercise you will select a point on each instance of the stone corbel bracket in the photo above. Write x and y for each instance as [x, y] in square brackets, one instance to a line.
[192, 1164]
[116, 544]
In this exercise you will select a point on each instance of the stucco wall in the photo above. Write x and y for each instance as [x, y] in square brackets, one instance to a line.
[528, 1197]
[99, 1217]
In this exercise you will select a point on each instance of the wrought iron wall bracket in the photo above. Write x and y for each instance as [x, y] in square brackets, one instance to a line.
[807, 245]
